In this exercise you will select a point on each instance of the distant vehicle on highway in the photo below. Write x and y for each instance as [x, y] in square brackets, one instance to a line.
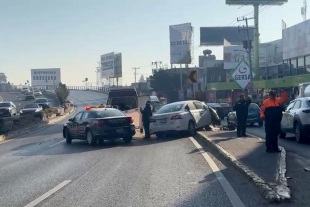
[7, 109]
[99, 123]
[155, 103]
[182, 116]
[30, 108]
[296, 119]
[253, 116]
[25, 89]
[29, 97]
[43, 102]
[37, 93]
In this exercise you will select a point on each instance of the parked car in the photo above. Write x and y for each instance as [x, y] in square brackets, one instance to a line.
[29, 97]
[43, 102]
[7, 109]
[296, 119]
[30, 108]
[180, 116]
[253, 116]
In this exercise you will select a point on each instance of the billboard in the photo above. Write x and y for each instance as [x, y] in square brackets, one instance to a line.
[260, 2]
[118, 68]
[215, 36]
[45, 77]
[107, 65]
[296, 40]
[270, 54]
[180, 43]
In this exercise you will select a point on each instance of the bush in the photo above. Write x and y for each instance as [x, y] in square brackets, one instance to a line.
[62, 93]
[50, 111]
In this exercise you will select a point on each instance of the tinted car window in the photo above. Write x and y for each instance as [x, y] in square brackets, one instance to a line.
[28, 106]
[41, 100]
[105, 113]
[170, 108]
[5, 104]
[253, 106]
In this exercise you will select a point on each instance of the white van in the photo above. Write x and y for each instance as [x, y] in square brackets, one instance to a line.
[129, 102]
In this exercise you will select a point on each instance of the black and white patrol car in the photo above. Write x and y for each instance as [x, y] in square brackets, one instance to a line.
[99, 123]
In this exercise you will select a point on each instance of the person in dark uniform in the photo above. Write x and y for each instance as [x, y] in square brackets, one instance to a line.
[146, 118]
[271, 112]
[241, 108]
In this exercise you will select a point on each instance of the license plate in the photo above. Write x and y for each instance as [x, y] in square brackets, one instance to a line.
[163, 121]
[120, 130]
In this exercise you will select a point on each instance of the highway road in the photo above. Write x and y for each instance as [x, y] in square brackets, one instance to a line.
[298, 161]
[40, 169]
[19, 99]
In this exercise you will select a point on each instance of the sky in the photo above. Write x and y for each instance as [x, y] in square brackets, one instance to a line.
[72, 34]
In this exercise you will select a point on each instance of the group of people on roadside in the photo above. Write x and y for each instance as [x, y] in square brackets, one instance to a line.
[270, 111]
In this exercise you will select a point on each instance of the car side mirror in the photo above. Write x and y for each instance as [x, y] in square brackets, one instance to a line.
[72, 120]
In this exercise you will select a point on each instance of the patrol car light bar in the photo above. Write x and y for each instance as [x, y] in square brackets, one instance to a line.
[98, 107]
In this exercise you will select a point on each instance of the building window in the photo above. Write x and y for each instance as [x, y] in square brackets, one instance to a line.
[280, 71]
[272, 72]
[286, 68]
[301, 66]
[293, 66]
[307, 64]
[262, 73]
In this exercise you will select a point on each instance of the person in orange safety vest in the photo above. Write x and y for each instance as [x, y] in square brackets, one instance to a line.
[271, 112]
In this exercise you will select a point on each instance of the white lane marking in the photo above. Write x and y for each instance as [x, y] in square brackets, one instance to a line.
[48, 194]
[230, 192]
[57, 143]
[6, 141]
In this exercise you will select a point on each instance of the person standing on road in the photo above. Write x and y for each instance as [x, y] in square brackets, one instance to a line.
[146, 119]
[271, 112]
[241, 108]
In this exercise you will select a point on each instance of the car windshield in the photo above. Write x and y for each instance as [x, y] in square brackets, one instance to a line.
[5, 104]
[170, 108]
[106, 113]
[41, 100]
[29, 106]
[253, 106]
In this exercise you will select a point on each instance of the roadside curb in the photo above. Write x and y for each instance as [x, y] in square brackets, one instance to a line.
[36, 127]
[280, 193]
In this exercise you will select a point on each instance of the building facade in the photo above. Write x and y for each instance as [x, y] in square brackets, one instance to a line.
[284, 63]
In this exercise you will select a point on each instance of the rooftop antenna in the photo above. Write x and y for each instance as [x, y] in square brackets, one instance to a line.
[304, 11]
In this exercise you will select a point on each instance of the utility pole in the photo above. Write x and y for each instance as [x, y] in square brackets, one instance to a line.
[135, 73]
[247, 44]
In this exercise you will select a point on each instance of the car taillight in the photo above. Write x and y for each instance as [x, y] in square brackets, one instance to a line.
[307, 111]
[99, 123]
[176, 117]
[132, 120]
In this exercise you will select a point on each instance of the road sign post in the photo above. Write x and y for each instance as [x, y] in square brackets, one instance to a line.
[192, 76]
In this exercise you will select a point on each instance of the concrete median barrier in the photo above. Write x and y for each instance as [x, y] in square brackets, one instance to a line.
[25, 124]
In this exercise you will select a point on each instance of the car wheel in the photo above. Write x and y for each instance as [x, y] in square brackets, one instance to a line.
[282, 135]
[67, 136]
[127, 139]
[299, 133]
[191, 128]
[91, 140]
[160, 135]
[260, 123]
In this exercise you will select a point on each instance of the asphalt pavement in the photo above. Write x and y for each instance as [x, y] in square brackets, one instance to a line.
[18, 99]
[40, 169]
[298, 165]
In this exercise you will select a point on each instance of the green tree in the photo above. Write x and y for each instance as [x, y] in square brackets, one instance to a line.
[62, 93]
[3, 78]
[166, 80]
